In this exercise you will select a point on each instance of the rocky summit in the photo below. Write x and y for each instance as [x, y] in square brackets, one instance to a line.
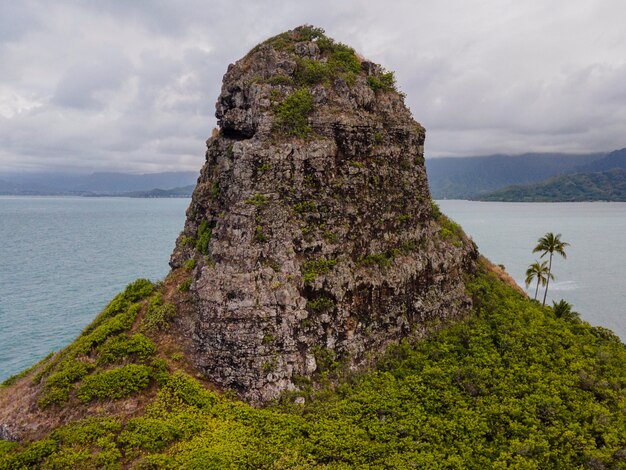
[312, 235]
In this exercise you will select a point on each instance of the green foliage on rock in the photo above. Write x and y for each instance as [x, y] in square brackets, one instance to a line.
[386, 81]
[321, 304]
[204, 237]
[314, 268]
[293, 112]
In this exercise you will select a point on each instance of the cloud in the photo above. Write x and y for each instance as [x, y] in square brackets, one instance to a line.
[118, 85]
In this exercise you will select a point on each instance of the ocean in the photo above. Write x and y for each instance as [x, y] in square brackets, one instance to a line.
[62, 259]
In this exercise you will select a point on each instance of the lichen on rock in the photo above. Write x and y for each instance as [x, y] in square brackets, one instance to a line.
[311, 225]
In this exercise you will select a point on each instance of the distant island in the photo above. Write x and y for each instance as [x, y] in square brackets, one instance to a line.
[600, 186]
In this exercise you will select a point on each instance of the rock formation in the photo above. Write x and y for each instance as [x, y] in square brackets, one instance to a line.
[314, 238]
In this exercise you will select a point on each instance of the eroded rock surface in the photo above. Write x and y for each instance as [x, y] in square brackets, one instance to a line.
[314, 234]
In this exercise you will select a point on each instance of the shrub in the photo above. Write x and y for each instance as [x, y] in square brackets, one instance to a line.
[159, 313]
[258, 200]
[215, 190]
[304, 207]
[384, 82]
[379, 259]
[185, 285]
[204, 237]
[319, 305]
[280, 80]
[292, 114]
[138, 290]
[114, 383]
[312, 269]
[121, 347]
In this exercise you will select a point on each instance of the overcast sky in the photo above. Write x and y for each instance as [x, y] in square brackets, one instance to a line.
[131, 85]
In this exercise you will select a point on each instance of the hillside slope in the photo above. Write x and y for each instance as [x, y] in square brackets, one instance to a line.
[601, 186]
[512, 386]
[468, 177]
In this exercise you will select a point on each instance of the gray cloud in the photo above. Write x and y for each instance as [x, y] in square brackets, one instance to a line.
[118, 85]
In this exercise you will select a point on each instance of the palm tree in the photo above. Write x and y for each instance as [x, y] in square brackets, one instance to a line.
[565, 310]
[550, 243]
[540, 272]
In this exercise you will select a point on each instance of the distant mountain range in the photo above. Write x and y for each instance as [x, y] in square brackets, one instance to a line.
[600, 180]
[468, 177]
[95, 184]
[479, 177]
[600, 186]
[528, 177]
[183, 191]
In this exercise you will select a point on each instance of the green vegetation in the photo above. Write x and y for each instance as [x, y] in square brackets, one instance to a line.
[314, 268]
[259, 234]
[304, 207]
[550, 244]
[215, 188]
[601, 186]
[63, 371]
[190, 264]
[159, 313]
[280, 80]
[122, 347]
[319, 305]
[258, 200]
[450, 230]
[386, 81]
[204, 237]
[293, 112]
[115, 383]
[185, 285]
[341, 61]
[382, 260]
[563, 309]
[516, 385]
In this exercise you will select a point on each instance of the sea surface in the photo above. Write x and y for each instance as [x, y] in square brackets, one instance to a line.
[62, 259]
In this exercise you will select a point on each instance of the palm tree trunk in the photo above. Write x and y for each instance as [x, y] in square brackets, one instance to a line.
[537, 288]
[545, 294]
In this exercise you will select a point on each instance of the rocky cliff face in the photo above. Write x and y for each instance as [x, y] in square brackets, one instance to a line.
[312, 229]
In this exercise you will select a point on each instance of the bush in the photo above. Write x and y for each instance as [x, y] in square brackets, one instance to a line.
[314, 268]
[159, 313]
[122, 348]
[115, 383]
[319, 305]
[185, 285]
[384, 82]
[204, 237]
[292, 114]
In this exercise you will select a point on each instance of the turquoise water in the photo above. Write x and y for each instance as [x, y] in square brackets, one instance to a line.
[62, 259]
[592, 278]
